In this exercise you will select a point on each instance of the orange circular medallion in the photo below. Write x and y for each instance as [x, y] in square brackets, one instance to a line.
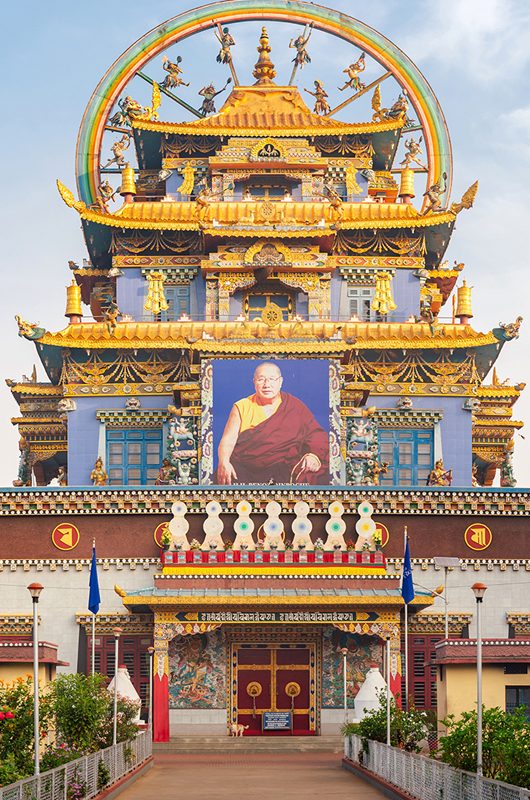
[159, 531]
[478, 536]
[382, 530]
[65, 536]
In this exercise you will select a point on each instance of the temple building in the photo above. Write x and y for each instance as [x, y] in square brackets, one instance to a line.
[268, 375]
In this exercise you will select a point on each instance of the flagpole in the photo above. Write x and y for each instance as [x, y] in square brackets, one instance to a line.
[406, 657]
[94, 600]
[93, 644]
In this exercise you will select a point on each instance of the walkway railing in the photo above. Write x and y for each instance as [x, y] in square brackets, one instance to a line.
[60, 783]
[425, 778]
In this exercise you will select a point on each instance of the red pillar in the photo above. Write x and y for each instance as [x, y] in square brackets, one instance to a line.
[160, 702]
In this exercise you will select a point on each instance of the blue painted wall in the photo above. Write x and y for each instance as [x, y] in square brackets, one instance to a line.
[83, 432]
[131, 291]
[455, 429]
[406, 291]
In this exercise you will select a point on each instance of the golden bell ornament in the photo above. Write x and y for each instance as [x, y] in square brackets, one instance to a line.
[128, 185]
[406, 188]
[463, 308]
[73, 300]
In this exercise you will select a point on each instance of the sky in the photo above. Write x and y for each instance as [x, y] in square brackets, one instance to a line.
[475, 55]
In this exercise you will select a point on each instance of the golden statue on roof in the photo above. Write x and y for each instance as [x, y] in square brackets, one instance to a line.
[354, 82]
[320, 94]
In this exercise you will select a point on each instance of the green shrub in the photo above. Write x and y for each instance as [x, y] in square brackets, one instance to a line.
[505, 744]
[407, 728]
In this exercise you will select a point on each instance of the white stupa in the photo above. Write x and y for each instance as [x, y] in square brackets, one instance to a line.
[367, 699]
[125, 688]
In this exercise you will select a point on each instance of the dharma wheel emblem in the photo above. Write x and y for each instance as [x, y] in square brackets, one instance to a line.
[272, 315]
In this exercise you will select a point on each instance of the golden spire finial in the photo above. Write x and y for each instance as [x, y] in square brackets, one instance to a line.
[264, 70]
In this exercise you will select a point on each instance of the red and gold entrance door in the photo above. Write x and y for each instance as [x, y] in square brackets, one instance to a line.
[274, 677]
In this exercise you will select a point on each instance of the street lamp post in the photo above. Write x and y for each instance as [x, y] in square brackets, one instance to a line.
[388, 703]
[446, 562]
[151, 651]
[35, 589]
[479, 589]
[344, 652]
[117, 632]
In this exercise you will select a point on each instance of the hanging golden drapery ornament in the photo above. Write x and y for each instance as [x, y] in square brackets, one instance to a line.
[383, 301]
[156, 299]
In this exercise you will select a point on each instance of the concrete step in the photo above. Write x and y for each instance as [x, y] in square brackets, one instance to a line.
[250, 744]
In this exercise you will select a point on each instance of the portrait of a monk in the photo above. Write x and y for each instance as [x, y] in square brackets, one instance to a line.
[272, 437]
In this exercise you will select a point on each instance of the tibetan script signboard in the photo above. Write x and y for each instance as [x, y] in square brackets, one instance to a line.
[278, 616]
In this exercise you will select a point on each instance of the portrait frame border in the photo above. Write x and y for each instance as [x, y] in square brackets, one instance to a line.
[336, 462]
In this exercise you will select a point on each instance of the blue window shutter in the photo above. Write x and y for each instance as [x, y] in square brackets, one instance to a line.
[134, 456]
[409, 454]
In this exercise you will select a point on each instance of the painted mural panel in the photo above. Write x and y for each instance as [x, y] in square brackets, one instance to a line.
[268, 422]
[363, 652]
[197, 668]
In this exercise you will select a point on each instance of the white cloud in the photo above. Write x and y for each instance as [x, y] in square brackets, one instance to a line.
[489, 38]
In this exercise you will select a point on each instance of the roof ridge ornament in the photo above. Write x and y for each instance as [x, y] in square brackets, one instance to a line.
[264, 70]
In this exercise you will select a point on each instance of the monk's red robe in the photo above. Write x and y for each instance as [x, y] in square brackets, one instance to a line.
[271, 450]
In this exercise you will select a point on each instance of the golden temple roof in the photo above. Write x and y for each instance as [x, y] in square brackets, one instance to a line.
[210, 334]
[266, 111]
[264, 215]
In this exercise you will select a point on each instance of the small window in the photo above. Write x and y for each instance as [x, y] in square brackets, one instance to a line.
[518, 696]
[409, 455]
[360, 299]
[178, 300]
[134, 456]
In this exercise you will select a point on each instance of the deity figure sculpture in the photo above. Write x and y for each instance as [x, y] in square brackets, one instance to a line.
[111, 312]
[413, 153]
[352, 72]
[507, 477]
[226, 41]
[166, 474]
[439, 476]
[320, 94]
[128, 108]
[203, 200]
[106, 195]
[434, 194]
[334, 199]
[24, 466]
[188, 175]
[350, 176]
[172, 79]
[375, 470]
[118, 149]
[209, 93]
[399, 108]
[474, 475]
[98, 476]
[300, 44]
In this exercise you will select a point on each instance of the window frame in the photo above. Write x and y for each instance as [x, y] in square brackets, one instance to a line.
[416, 437]
[131, 436]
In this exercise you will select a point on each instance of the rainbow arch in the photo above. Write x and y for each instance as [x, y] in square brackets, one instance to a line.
[110, 87]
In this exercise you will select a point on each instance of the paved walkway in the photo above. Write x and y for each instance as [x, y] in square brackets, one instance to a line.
[260, 776]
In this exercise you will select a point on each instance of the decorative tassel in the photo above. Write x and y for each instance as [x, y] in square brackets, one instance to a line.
[383, 301]
[156, 299]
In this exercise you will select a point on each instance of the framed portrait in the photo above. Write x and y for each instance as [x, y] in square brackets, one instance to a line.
[269, 422]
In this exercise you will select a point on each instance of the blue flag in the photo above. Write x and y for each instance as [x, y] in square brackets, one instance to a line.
[407, 586]
[94, 598]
